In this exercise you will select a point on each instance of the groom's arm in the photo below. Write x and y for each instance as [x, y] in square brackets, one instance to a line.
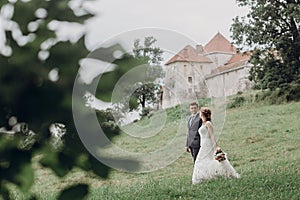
[187, 149]
[200, 123]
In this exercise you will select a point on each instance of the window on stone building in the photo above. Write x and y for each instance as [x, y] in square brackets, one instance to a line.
[190, 79]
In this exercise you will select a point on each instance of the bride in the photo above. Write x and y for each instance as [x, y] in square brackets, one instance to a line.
[206, 166]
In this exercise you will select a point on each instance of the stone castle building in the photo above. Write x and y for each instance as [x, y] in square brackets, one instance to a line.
[213, 70]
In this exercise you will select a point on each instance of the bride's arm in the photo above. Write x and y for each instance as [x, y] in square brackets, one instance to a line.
[211, 133]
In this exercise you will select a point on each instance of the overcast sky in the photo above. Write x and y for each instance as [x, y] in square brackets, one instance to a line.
[198, 20]
[174, 23]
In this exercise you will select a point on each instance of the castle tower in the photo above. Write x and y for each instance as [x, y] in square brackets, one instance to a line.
[185, 73]
[213, 70]
[219, 50]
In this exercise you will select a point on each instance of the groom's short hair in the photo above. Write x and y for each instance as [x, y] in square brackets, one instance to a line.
[194, 103]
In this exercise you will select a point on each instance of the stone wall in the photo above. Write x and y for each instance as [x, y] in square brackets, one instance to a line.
[184, 82]
[229, 82]
[189, 81]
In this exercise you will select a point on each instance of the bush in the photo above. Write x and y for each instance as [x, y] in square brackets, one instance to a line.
[174, 113]
[238, 101]
[107, 123]
[287, 93]
[204, 102]
[145, 112]
[293, 92]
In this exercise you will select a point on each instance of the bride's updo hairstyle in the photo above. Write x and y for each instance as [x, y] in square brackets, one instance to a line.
[206, 112]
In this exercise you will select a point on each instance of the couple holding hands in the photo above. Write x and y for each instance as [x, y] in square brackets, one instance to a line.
[209, 160]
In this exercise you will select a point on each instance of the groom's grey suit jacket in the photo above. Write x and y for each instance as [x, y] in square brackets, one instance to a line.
[193, 138]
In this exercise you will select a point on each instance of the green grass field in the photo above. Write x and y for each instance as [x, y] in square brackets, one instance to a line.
[262, 142]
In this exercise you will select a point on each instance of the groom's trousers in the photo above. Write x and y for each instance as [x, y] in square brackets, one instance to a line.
[194, 152]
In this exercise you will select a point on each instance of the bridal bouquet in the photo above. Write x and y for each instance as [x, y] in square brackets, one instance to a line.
[220, 155]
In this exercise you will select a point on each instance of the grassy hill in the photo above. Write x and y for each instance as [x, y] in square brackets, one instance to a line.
[262, 142]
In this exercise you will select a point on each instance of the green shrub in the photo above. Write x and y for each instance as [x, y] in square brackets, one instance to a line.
[287, 93]
[238, 101]
[175, 113]
[145, 112]
[204, 102]
[294, 93]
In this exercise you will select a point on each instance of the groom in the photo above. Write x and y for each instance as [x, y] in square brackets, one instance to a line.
[193, 138]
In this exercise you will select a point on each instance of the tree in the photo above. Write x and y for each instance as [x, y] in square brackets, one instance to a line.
[32, 52]
[152, 55]
[148, 91]
[271, 29]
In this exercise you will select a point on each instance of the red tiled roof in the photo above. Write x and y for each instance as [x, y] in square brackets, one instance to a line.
[219, 44]
[239, 57]
[188, 54]
[237, 60]
[228, 67]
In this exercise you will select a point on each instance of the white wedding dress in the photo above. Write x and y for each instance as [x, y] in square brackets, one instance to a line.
[206, 167]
